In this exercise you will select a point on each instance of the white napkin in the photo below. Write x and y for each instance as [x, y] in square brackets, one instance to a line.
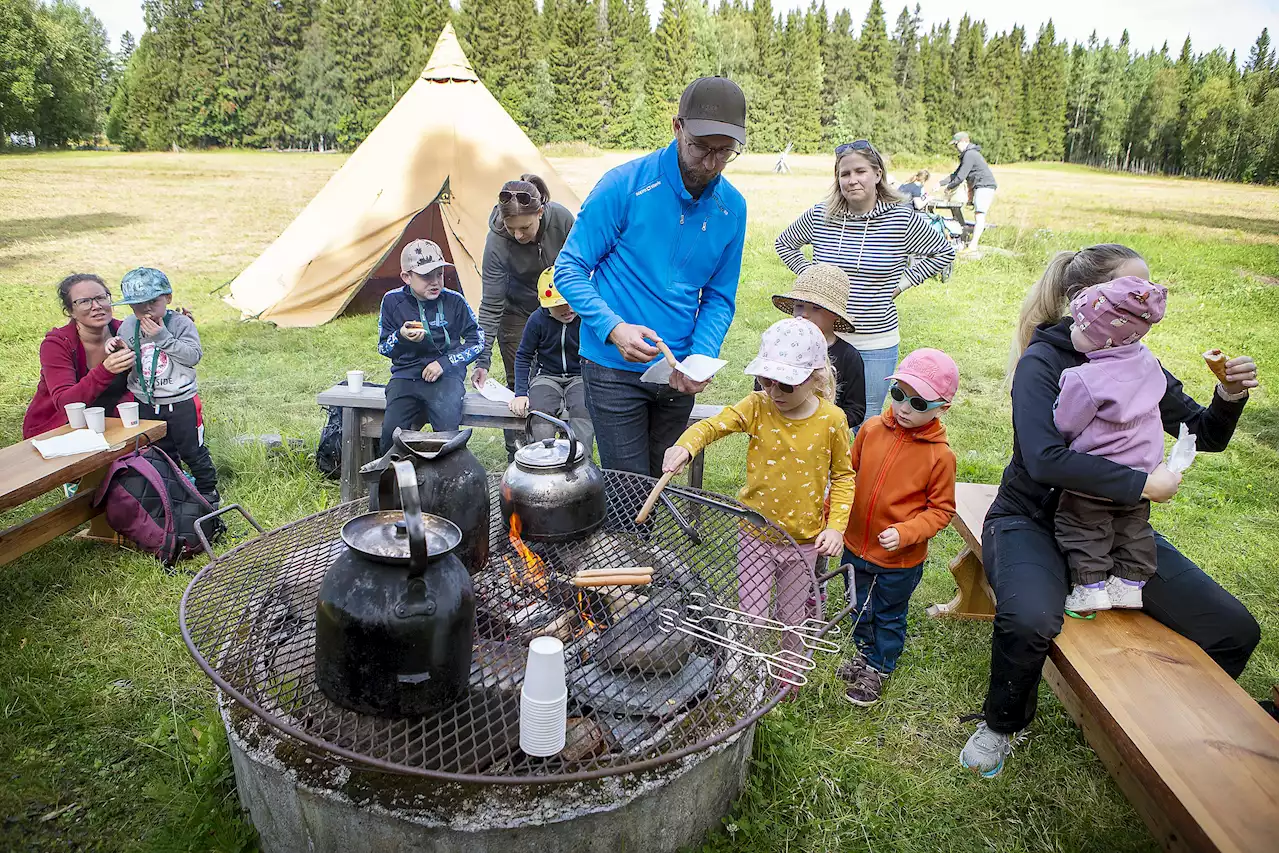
[73, 443]
[494, 390]
[697, 367]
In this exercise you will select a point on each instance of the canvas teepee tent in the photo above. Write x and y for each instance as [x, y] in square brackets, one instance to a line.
[431, 168]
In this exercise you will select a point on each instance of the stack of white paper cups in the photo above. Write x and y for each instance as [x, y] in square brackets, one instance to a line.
[544, 699]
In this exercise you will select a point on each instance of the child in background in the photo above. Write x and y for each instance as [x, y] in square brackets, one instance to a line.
[1110, 407]
[166, 349]
[431, 335]
[799, 445]
[912, 191]
[818, 296]
[907, 493]
[549, 346]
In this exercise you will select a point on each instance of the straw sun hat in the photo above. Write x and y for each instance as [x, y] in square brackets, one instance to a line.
[824, 285]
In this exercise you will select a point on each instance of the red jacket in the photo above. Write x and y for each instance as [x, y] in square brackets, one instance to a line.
[66, 378]
[906, 480]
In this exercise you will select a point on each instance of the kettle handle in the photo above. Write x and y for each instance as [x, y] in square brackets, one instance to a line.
[568, 431]
[407, 478]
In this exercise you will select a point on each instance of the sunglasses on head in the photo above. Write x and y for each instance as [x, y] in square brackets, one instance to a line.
[855, 145]
[519, 196]
[785, 387]
[920, 404]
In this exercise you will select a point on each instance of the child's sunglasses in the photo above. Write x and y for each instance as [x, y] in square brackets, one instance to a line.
[787, 388]
[920, 404]
[520, 196]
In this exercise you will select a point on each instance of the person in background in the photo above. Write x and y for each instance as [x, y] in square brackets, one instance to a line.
[974, 172]
[165, 349]
[883, 247]
[548, 375]
[912, 191]
[655, 257]
[907, 495]
[526, 232]
[75, 366]
[818, 296]
[431, 335]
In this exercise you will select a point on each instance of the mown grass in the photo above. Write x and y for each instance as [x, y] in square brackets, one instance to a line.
[104, 716]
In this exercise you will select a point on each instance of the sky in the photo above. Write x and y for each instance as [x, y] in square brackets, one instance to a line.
[1234, 24]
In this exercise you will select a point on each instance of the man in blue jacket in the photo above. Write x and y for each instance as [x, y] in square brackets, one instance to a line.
[431, 335]
[655, 256]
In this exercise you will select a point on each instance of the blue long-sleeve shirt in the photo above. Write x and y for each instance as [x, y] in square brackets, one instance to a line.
[643, 250]
[453, 338]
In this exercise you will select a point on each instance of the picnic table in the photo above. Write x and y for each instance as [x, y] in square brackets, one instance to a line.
[955, 208]
[362, 413]
[28, 475]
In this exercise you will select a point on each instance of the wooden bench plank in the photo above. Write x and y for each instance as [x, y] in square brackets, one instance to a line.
[46, 526]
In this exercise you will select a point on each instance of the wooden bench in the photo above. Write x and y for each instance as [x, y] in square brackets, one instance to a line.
[1196, 756]
[362, 413]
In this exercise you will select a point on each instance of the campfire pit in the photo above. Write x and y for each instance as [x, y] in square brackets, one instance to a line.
[644, 700]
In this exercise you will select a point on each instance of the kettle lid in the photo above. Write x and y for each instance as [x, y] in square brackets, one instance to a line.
[549, 453]
[383, 536]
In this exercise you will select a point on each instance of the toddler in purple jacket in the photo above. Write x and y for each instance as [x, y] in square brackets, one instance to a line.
[1110, 407]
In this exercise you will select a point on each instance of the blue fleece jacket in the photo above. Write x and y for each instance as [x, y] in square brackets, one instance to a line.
[454, 338]
[645, 251]
[547, 346]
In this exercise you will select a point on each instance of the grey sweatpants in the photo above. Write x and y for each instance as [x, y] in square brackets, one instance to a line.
[1099, 538]
[561, 397]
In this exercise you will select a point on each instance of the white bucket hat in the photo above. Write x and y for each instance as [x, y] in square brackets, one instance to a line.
[790, 350]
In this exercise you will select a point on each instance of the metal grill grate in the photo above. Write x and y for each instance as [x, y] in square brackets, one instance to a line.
[639, 695]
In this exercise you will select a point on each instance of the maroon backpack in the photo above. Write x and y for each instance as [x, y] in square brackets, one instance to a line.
[150, 501]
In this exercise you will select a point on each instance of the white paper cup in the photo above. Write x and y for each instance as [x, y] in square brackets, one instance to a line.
[128, 414]
[544, 670]
[355, 379]
[75, 415]
[542, 725]
[96, 419]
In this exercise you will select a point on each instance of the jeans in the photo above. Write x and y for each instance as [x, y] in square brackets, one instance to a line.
[1028, 574]
[562, 397]
[413, 402]
[878, 365]
[881, 629]
[635, 421]
[183, 444]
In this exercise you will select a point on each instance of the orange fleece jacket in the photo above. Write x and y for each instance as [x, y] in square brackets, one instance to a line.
[906, 479]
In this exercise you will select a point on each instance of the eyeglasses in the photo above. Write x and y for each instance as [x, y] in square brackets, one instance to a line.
[701, 152]
[920, 404]
[785, 387]
[85, 302]
[520, 197]
[855, 145]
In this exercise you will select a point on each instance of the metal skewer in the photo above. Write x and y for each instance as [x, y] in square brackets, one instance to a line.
[786, 666]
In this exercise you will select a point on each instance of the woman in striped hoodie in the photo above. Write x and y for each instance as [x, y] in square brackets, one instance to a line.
[883, 246]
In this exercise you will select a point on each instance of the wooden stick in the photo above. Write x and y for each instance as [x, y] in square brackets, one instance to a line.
[622, 570]
[668, 355]
[613, 580]
[643, 515]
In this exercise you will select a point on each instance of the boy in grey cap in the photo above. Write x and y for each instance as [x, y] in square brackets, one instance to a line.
[166, 349]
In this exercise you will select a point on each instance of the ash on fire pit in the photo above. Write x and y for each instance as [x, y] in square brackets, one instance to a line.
[644, 696]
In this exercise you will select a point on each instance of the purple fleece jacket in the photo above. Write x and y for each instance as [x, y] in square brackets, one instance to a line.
[1110, 406]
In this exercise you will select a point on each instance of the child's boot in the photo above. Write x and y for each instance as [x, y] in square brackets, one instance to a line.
[1125, 594]
[1086, 598]
[866, 688]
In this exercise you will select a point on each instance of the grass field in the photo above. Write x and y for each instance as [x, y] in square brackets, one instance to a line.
[107, 735]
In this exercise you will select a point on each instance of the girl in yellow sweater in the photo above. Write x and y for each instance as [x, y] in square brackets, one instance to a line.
[799, 446]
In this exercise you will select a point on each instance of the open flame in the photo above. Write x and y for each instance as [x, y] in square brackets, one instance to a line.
[531, 571]
[588, 624]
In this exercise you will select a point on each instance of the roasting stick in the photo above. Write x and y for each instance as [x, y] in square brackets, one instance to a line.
[643, 515]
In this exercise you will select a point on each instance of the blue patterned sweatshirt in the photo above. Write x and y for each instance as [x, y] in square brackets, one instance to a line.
[454, 338]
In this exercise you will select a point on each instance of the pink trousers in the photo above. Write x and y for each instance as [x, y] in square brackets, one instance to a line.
[780, 571]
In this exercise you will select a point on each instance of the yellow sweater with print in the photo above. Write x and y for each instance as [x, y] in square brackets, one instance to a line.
[789, 462]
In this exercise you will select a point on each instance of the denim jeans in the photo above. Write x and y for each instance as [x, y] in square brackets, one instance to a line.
[881, 630]
[878, 365]
[635, 421]
[413, 402]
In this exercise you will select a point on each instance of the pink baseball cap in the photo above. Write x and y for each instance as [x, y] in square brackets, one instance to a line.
[931, 372]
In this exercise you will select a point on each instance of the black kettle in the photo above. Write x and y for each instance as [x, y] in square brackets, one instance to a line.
[553, 488]
[396, 613]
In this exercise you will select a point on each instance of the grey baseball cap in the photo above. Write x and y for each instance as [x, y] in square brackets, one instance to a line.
[714, 106]
[960, 137]
[422, 257]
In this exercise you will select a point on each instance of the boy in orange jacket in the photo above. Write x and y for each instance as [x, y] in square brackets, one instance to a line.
[906, 493]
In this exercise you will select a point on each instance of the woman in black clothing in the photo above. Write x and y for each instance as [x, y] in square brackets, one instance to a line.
[1021, 558]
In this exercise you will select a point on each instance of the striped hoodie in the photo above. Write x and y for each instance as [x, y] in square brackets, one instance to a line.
[875, 250]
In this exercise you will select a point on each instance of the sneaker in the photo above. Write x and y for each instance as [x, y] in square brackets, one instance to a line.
[1125, 594]
[866, 687]
[851, 668]
[1085, 598]
[986, 751]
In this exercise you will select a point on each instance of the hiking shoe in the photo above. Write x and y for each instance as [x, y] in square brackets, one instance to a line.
[1125, 594]
[866, 688]
[851, 668]
[986, 751]
[1086, 598]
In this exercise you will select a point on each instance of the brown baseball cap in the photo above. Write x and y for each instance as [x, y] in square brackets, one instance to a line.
[714, 106]
[422, 257]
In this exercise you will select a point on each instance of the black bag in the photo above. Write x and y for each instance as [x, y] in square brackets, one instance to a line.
[329, 451]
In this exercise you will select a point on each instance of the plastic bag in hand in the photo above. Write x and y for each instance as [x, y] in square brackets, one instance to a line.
[1183, 452]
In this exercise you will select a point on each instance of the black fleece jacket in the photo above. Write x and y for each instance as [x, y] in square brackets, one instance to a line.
[1043, 465]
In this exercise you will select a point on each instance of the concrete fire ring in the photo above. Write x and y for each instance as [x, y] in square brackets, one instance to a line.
[303, 803]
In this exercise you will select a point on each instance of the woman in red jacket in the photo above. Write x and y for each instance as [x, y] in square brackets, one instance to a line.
[74, 364]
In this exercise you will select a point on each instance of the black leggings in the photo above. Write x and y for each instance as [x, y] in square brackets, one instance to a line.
[1029, 576]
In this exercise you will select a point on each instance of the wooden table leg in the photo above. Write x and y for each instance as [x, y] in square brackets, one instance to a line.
[974, 598]
[350, 453]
